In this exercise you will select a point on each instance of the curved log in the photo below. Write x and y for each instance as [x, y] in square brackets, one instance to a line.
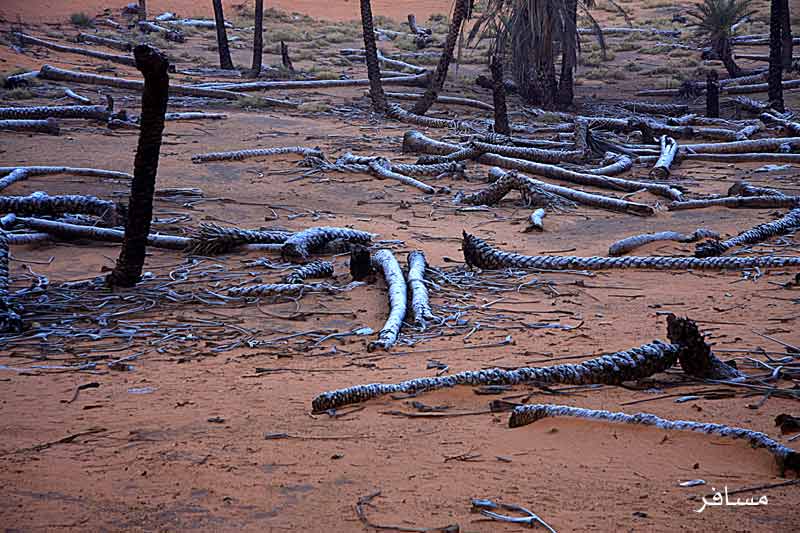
[536, 221]
[786, 224]
[398, 295]
[12, 175]
[732, 202]
[420, 302]
[299, 245]
[480, 254]
[615, 164]
[629, 244]
[314, 269]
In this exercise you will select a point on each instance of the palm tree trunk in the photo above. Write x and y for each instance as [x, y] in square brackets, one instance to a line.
[437, 82]
[225, 61]
[712, 94]
[258, 38]
[153, 65]
[142, 15]
[775, 76]
[725, 51]
[373, 67]
[786, 29]
[499, 95]
[566, 92]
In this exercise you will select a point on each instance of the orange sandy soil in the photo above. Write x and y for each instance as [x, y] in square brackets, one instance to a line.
[160, 464]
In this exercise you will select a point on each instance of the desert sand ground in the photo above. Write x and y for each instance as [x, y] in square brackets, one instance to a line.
[191, 452]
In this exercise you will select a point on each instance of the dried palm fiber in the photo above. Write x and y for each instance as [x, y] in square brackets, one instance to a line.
[98, 112]
[240, 155]
[613, 369]
[41, 204]
[614, 164]
[786, 458]
[629, 244]
[360, 164]
[732, 202]
[414, 141]
[382, 168]
[12, 175]
[298, 246]
[73, 231]
[213, 239]
[786, 224]
[385, 261]
[479, 254]
[533, 191]
[48, 126]
[669, 149]
[314, 269]
[10, 320]
[420, 301]
[437, 169]
[742, 188]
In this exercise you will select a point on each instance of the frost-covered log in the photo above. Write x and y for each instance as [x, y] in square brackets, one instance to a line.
[416, 142]
[97, 112]
[48, 126]
[536, 221]
[651, 108]
[479, 253]
[530, 187]
[786, 224]
[385, 261]
[240, 155]
[41, 204]
[742, 188]
[786, 458]
[12, 175]
[314, 269]
[791, 127]
[420, 301]
[758, 157]
[669, 148]
[451, 100]
[21, 239]
[10, 320]
[105, 41]
[194, 115]
[779, 144]
[614, 164]
[212, 239]
[300, 245]
[629, 244]
[413, 80]
[114, 58]
[732, 202]
[175, 35]
[94, 233]
[382, 168]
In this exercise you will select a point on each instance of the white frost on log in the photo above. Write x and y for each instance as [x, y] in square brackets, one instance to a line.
[420, 302]
[669, 148]
[535, 221]
[398, 295]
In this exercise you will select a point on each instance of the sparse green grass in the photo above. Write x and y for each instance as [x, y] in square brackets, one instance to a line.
[81, 19]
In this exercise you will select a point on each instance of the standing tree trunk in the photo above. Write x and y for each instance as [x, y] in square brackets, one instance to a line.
[258, 39]
[786, 34]
[566, 93]
[499, 94]
[373, 67]
[142, 10]
[725, 52]
[712, 94]
[437, 82]
[153, 65]
[225, 61]
[775, 76]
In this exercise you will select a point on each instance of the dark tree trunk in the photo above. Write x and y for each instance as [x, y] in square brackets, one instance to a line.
[786, 35]
[775, 76]
[499, 95]
[712, 94]
[373, 67]
[258, 38]
[286, 61]
[142, 10]
[566, 84]
[437, 82]
[153, 65]
[225, 61]
[725, 52]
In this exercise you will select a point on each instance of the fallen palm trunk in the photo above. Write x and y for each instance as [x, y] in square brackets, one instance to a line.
[240, 155]
[175, 36]
[650, 108]
[614, 164]
[531, 190]
[49, 126]
[414, 80]
[398, 113]
[786, 458]
[21, 239]
[724, 88]
[194, 116]
[48, 72]
[786, 224]
[114, 58]
[732, 202]
[536, 221]
[12, 175]
[629, 244]
[273, 289]
[414, 141]
[212, 239]
[452, 100]
[41, 204]
[10, 320]
[742, 188]
[382, 168]
[299, 245]
[94, 233]
[479, 254]
[669, 148]
[398, 295]
[792, 128]
[97, 112]
[105, 41]
[613, 369]
[314, 269]
[69, 93]
[756, 157]
[420, 302]
[505, 182]
[784, 144]
[529, 154]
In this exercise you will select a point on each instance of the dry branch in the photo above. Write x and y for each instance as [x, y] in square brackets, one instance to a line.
[105, 41]
[94, 233]
[414, 80]
[536, 221]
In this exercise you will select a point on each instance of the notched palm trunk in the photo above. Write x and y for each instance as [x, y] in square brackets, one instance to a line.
[373, 67]
[225, 61]
[153, 65]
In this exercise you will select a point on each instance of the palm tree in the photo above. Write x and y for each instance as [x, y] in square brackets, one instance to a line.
[461, 12]
[258, 38]
[225, 61]
[569, 55]
[775, 76]
[786, 28]
[499, 94]
[715, 19]
[373, 67]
